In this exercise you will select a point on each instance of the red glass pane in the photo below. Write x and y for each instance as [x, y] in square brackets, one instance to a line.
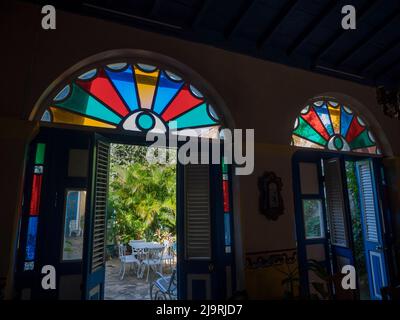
[225, 189]
[314, 121]
[102, 89]
[35, 197]
[183, 102]
[354, 131]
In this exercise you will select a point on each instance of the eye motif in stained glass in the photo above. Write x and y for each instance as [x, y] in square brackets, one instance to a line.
[329, 125]
[137, 97]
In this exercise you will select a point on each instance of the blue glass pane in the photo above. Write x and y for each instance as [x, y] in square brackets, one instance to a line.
[167, 89]
[31, 238]
[63, 93]
[46, 117]
[227, 227]
[125, 85]
[29, 265]
[345, 122]
[197, 117]
[323, 114]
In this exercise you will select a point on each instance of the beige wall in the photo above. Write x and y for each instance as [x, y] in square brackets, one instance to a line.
[258, 94]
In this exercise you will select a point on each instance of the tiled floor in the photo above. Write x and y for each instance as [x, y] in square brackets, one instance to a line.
[129, 288]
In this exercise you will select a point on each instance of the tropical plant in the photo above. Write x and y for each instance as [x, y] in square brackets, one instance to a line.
[142, 196]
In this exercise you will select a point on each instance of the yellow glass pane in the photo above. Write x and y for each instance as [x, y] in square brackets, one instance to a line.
[334, 112]
[63, 116]
[300, 142]
[146, 84]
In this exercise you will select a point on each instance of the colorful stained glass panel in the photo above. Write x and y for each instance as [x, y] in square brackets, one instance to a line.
[330, 125]
[113, 96]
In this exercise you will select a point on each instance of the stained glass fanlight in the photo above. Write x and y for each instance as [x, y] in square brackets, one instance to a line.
[327, 124]
[136, 97]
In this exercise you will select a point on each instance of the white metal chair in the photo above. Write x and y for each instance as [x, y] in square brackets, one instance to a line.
[164, 287]
[152, 260]
[168, 256]
[74, 228]
[130, 259]
[137, 252]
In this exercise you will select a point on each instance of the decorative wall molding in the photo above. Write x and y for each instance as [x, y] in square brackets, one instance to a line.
[265, 259]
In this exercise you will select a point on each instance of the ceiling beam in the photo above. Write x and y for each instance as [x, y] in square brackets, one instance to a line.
[386, 69]
[200, 14]
[277, 21]
[361, 43]
[242, 13]
[155, 7]
[375, 58]
[361, 14]
[302, 37]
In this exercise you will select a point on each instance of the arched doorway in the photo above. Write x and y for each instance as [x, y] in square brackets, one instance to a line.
[341, 214]
[120, 98]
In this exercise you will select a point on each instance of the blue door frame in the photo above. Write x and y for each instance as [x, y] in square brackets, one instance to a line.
[302, 242]
[380, 204]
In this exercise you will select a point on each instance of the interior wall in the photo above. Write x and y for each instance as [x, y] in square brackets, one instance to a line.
[259, 94]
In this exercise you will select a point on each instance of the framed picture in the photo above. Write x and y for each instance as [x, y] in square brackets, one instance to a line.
[271, 202]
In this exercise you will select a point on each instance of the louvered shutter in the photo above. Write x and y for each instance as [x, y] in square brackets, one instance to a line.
[335, 202]
[367, 200]
[100, 205]
[197, 212]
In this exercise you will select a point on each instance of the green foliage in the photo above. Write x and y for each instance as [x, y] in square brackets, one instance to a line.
[312, 218]
[142, 196]
[352, 185]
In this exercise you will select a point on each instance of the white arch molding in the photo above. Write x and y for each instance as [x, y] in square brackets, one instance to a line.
[165, 62]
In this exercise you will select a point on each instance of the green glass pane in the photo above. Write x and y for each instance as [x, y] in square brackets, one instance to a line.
[39, 157]
[82, 102]
[197, 117]
[362, 141]
[304, 130]
[224, 167]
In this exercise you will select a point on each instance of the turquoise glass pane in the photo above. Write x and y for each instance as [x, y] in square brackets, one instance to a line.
[197, 117]
[166, 90]
[145, 121]
[345, 121]
[124, 82]
[323, 114]
[227, 227]
[31, 239]
[81, 102]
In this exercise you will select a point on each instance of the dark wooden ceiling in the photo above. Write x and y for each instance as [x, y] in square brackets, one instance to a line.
[302, 33]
